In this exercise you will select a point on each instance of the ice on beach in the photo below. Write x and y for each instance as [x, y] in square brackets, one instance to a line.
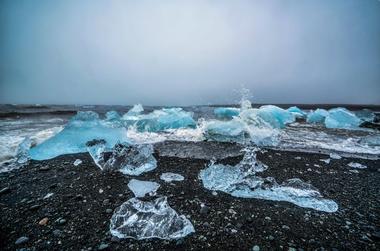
[370, 140]
[356, 165]
[342, 118]
[134, 111]
[327, 161]
[226, 131]
[240, 181]
[275, 116]
[226, 112]
[140, 220]
[77, 162]
[112, 116]
[124, 157]
[169, 177]
[296, 111]
[335, 156]
[141, 188]
[317, 116]
[83, 127]
[22, 154]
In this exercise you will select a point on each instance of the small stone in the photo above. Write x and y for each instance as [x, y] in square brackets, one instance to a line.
[270, 237]
[101, 191]
[34, 207]
[5, 190]
[44, 168]
[108, 210]
[292, 249]
[106, 201]
[62, 221]
[285, 227]
[214, 193]
[21, 240]
[57, 233]
[43, 222]
[103, 246]
[204, 209]
[256, 248]
[267, 218]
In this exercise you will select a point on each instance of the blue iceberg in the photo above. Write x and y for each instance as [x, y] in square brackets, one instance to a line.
[83, 127]
[112, 116]
[275, 116]
[297, 112]
[366, 115]
[342, 118]
[226, 131]
[226, 112]
[317, 116]
[134, 111]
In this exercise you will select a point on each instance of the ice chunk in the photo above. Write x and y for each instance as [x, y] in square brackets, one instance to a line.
[226, 112]
[141, 188]
[356, 165]
[366, 115]
[275, 116]
[249, 164]
[335, 156]
[134, 111]
[296, 111]
[77, 162]
[169, 177]
[149, 219]
[327, 161]
[112, 115]
[22, 154]
[317, 116]
[342, 118]
[226, 131]
[126, 158]
[83, 127]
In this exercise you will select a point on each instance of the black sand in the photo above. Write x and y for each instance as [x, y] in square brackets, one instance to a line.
[78, 218]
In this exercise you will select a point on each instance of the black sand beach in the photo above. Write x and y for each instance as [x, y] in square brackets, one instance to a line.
[78, 213]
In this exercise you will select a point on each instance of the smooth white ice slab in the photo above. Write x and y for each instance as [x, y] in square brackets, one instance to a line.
[149, 219]
[169, 177]
[141, 188]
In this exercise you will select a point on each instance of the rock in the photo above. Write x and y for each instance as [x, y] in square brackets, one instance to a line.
[57, 233]
[285, 227]
[204, 209]
[270, 237]
[34, 207]
[62, 221]
[43, 222]
[21, 240]
[44, 168]
[256, 248]
[267, 218]
[108, 210]
[106, 202]
[5, 190]
[103, 246]
[292, 249]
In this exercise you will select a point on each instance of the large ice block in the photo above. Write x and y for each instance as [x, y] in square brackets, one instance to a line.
[275, 116]
[226, 112]
[317, 116]
[296, 111]
[140, 220]
[342, 118]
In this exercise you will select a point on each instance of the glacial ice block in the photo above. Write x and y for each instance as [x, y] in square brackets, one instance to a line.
[366, 115]
[22, 154]
[140, 220]
[342, 118]
[112, 116]
[317, 116]
[169, 177]
[141, 188]
[83, 127]
[296, 111]
[134, 111]
[124, 157]
[275, 116]
[226, 131]
[226, 112]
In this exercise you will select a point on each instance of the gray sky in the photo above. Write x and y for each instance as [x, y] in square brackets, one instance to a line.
[189, 52]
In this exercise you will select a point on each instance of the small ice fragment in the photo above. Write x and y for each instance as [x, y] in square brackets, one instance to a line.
[316, 165]
[141, 188]
[297, 158]
[356, 165]
[48, 196]
[327, 161]
[169, 177]
[101, 191]
[353, 171]
[335, 156]
[149, 219]
[77, 162]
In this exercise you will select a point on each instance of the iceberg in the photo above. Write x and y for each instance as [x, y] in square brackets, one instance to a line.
[124, 157]
[141, 188]
[83, 127]
[342, 118]
[149, 219]
[275, 116]
[298, 113]
[226, 112]
[169, 177]
[317, 116]
[240, 181]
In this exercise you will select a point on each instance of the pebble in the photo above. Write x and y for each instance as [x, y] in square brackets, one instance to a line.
[204, 209]
[267, 218]
[106, 201]
[34, 207]
[285, 227]
[43, 222]
[108, 210]
[256, 248]
[57, 232]
[44, 168]
[62, 221]
[292, 249]
[21, 240]
[103, 246]
[5, 190]
[270, 237]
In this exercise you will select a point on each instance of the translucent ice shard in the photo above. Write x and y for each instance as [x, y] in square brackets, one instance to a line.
[356, 165]
[226, 131]
[77, 162]
[83, 127]
[149, 219]
[317, 116]
[241, 181]
[342, 118]
[112, 115]
[335, 156]
[169, 177]
[124, 157]
[275, 116]
[22, 154]
[134, 111]
[141, 188]
[296, 111]
[226, 112]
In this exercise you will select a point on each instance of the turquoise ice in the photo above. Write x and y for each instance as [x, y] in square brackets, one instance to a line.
[226, 112]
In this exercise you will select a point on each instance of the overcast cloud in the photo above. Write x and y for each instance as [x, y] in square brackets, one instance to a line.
[189, 52]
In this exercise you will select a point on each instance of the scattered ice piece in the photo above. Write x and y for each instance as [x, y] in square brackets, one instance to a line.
[297, 158]
[22, 154]
[353, 171]
[149, 219]
[316, 165]
[335, 156]
[101, 190]
[169, 177]
[112, 116]
[48, 196]
[226, 131]
[296, 111]
[126, 158]
[226, 112]
[77, 162]
[141, 188]
[327, 161]
[356, 165]
[317, 116]
[342, 118]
